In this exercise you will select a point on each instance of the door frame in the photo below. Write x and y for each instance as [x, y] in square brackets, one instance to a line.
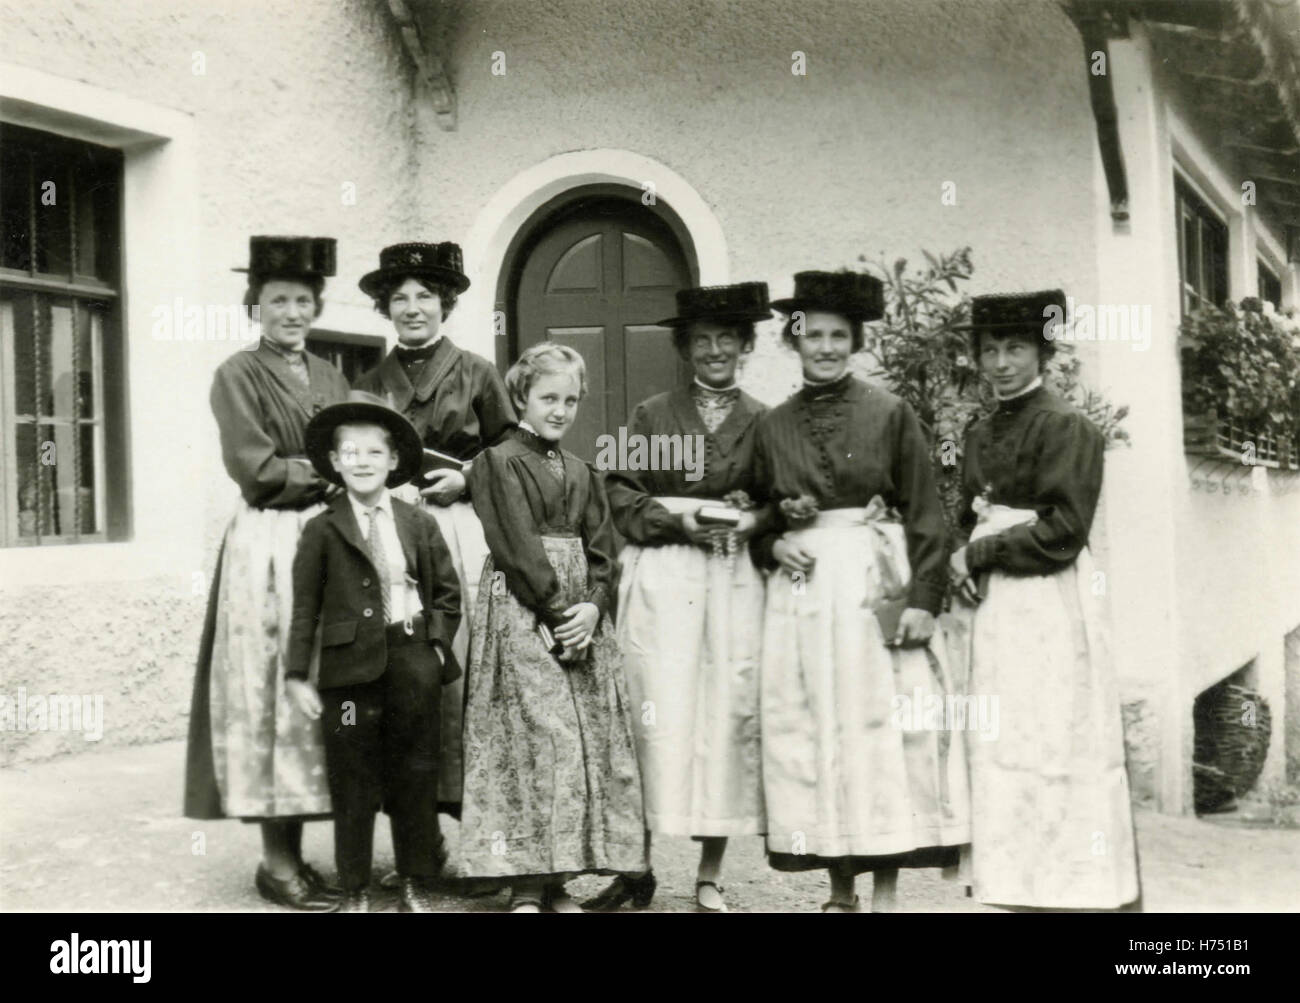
[476, 325]
[536, 227]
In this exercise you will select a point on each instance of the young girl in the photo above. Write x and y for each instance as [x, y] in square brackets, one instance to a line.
[551, 787]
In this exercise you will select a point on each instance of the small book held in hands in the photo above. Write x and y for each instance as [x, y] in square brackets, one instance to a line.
[717, 515]
[434, 460]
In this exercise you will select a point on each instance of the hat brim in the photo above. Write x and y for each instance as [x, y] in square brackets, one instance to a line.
[288, 273]
[372, 282]
[853, 313]
[319, 437]
[1000, 326]
[743, 317]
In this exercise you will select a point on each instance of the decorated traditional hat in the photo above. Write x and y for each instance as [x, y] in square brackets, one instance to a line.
[363, 408]
[306, 256]
[743, 301]
[1006, 313]
[856, 295]
[439, 262]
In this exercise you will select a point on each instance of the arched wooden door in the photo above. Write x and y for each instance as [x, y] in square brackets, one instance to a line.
[596, 278]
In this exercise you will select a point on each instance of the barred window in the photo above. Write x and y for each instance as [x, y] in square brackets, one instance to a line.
[62, 364]
[351, 354]
[1202, 250]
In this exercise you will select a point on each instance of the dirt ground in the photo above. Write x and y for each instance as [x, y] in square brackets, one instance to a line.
[101, 832]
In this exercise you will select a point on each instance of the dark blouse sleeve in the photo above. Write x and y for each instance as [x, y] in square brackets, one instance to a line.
[637, 515]
[598, 541]
[918, 500]
[971, 443]
[771, 525]
[1067, 482]
[265, 479]
[496, 415]
[512, 536]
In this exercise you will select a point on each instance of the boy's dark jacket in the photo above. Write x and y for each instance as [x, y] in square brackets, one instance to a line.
[335, 584]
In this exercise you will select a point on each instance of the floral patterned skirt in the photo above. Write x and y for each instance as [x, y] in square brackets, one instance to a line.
[269, 759]
[1052, 825]
[551, 779]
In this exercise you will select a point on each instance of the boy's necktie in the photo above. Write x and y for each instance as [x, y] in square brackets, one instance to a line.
[376, 545]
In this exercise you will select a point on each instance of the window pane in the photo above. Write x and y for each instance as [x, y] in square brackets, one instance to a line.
[1270, 286]
[90, 335]
[88, 463]
[16, 319]
[14, 203]
[1191, 251]
[57, 382]
[1209, 288]
[97, 234]
[56, 467]
[53, 242]
[35, 497]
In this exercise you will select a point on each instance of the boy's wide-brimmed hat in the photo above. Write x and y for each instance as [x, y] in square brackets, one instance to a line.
[1011, 312]
[363, 408]
[305, 256]
[439, 262]
[856, 295]
[738, 303]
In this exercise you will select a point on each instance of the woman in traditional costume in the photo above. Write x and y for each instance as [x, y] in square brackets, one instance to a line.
[856, 777]
[252, 755]
[1051, 819]
[690, 599]
[458, 404]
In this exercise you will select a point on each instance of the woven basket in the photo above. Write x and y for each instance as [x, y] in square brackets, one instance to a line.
[1229, 753]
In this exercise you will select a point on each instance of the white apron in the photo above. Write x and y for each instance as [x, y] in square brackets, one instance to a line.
[690, 627]
[1051, 823]
[268, 757]
[844, 774]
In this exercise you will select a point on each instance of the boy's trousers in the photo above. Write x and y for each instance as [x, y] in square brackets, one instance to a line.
[381, 750]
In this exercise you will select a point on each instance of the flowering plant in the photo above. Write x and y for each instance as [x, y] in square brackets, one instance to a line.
[1243, 362]
[920, 352]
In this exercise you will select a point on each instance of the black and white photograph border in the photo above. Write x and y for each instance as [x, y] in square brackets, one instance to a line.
[1023, 371]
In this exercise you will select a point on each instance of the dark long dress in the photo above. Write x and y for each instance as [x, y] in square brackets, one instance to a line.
[459, 406]
[259, 759]
[846, 779]
[551, 779]
[1051, 821]
[689, 622]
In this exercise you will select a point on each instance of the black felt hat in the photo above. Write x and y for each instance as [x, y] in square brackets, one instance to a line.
[1008, 313]
[741, 302]
[305, 256]
[1023, 311]
[439, 262]
[359, 408]
[856, 295]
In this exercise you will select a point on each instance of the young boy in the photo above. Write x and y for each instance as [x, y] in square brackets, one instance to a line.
[374, 573]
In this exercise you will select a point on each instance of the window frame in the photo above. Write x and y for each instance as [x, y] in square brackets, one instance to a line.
[1189, 204]
[81, 163]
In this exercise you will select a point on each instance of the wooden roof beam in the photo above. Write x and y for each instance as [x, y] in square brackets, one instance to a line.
[428, 64]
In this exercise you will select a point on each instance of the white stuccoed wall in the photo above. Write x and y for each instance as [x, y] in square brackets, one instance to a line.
[772, 172]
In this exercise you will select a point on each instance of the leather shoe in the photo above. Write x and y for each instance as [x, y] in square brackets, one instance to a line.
[293, 892]
[416, 896]
[623, 889]
[358, 901]
[317, 882]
